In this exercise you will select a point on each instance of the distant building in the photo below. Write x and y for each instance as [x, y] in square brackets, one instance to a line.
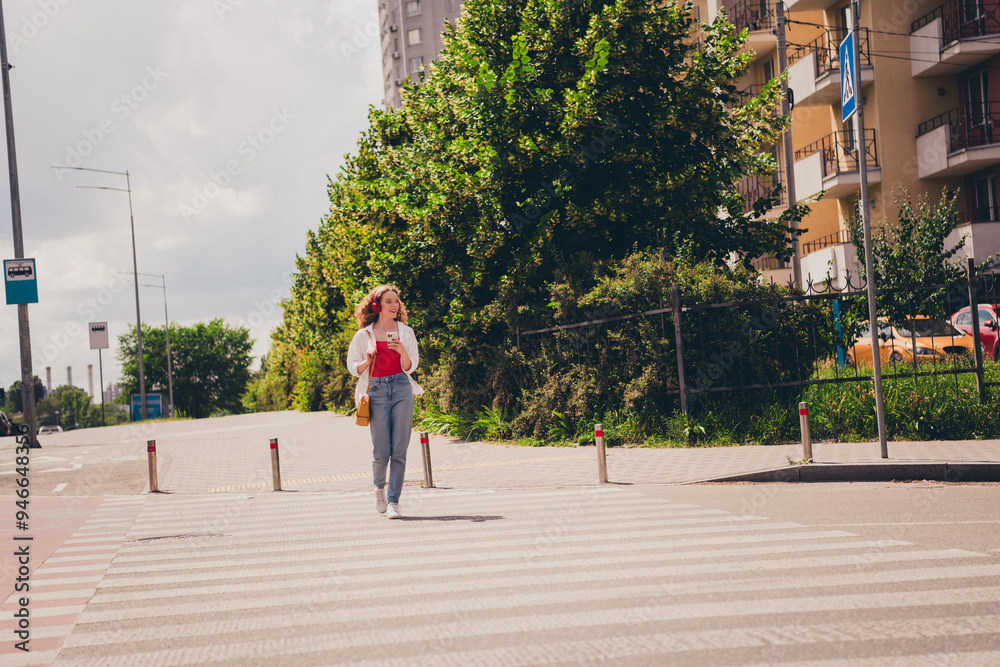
[111, 392]
[411, 38]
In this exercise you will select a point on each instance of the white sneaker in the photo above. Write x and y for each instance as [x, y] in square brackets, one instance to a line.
[380, 500]
[394, 512]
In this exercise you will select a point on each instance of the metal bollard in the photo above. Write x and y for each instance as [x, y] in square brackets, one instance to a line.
[425, 446]
[151, 454]
[275, 466]
[602, 461]
[807, 447]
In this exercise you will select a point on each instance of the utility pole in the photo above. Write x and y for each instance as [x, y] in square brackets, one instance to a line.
[866, 220]
[787, 143]
[27, 377]
[135, 270]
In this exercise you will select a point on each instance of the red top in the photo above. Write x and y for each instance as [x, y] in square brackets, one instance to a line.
[387, 361]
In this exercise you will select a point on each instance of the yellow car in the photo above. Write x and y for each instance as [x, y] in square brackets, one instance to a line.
[923, 337]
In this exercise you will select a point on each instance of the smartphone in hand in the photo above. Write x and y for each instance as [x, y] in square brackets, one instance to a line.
[391, 336]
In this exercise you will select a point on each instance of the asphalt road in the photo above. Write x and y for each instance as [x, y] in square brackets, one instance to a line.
[478, 573]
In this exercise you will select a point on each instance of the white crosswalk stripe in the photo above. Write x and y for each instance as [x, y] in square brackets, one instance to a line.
[516, 579]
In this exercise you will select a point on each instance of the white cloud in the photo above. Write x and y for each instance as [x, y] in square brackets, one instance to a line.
[171, 92]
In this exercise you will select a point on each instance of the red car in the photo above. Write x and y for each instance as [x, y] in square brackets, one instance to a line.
[989, 322]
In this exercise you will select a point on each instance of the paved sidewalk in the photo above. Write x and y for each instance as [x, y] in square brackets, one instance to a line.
[326, 452]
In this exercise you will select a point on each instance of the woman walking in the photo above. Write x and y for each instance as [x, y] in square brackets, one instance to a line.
[383, 355]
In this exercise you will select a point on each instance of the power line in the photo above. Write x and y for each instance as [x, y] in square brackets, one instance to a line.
[879, 32]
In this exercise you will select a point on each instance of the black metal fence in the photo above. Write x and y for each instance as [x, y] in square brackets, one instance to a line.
[775, 338]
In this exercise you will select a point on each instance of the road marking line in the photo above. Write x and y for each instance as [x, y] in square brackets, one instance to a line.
[409, 471]
[59, 488]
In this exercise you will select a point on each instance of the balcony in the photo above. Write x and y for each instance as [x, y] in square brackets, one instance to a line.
[758, 17]
[832, 164]
[956, 35]
[806, 5]
[814, 69]
[982, 240]
[958, 142]
[829, 259]
[755, 186]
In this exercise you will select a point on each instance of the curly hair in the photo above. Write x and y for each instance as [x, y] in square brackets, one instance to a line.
[363, 313]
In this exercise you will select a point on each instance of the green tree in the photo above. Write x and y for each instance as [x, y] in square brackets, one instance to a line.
[549, 137]
[912, 253]
[211, 365]
[16, 396]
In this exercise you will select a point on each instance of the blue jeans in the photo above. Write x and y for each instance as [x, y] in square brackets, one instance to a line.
[391, 404]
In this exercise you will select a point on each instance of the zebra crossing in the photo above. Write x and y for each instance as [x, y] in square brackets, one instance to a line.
[513, 577]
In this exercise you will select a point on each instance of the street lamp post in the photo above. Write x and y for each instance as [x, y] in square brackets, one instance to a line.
[166, 317]
[135, 269]
[24, 332]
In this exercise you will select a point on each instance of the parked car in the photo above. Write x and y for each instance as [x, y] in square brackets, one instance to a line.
[989, 322]
[6, 425]
[933, 339]
[49, 428]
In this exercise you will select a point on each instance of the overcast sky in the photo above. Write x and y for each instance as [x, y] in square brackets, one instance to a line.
[229, 116]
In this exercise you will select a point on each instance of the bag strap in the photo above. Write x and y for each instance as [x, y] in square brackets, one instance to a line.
[372, 366]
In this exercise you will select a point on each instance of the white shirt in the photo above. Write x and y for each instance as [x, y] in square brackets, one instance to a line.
[357, 354]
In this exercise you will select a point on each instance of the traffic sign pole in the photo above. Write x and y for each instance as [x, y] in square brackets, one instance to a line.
[855, 59]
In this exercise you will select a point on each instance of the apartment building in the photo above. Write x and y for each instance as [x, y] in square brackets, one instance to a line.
[411, 38]
[928, 113]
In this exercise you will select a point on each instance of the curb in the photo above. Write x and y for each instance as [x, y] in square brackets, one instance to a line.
[871, 472]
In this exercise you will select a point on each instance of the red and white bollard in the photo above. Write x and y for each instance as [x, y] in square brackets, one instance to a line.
[602, 461]
[425, 446]
[151, 455]
[275, 466]
[807, 447]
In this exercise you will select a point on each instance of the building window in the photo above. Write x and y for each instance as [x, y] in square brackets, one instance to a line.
[972, 10]
[979, 96]
[416, 64]
[986, 205]
[768, 70]
[413, 36]
[413, 8]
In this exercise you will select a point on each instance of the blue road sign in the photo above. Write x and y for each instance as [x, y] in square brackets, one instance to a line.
[848, 78]
[154, 406]
[19, 278]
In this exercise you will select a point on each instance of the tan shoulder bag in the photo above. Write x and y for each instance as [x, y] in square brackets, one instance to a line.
[364, 413]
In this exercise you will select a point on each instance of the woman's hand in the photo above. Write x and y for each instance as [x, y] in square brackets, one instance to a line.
[404, 358]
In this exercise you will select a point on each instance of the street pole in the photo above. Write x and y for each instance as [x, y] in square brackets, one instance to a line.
[170, 372]
[27, 376]
[100, 363]
[135, 270]
[787, 144]
[866, 221]
[138, 320]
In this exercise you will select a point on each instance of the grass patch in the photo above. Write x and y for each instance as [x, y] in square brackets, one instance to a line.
[932, 407]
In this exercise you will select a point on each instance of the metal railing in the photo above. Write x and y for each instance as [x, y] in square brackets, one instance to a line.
[963, 19]
[827, 50]
[754, 15]
[836, 238]
[840, 152]
[769, 263]
[755, 186]
[971, 125]
[979, 214]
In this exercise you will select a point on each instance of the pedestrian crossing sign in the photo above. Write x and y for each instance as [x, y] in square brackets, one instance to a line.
[848, 78]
